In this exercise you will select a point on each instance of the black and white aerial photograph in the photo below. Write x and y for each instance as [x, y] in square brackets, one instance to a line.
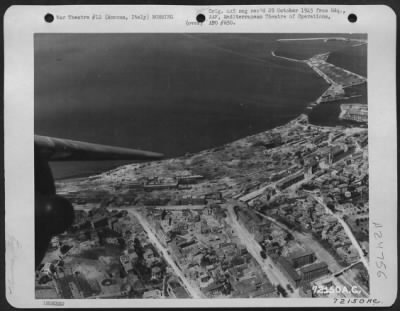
[201, 165]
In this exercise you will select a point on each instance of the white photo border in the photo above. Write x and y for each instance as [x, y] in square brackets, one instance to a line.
[22, 22]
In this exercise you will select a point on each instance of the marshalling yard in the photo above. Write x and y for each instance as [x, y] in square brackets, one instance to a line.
[283, 213]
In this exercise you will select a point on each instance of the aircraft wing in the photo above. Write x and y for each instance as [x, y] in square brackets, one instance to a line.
[58, 149]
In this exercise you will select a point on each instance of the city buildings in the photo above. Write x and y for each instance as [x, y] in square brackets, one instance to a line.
[313, 182]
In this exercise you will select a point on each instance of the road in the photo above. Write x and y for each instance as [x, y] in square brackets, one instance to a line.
[348, 267]
[254, 194]
[194, 292]
[273, 185]
[181, 207]
[267, 265]
[346, 229]
[274, 221]
[348, 279]
[308, 240]
[322, 254]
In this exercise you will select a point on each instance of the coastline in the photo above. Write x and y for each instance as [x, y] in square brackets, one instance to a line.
[300, 119]
[334, 92]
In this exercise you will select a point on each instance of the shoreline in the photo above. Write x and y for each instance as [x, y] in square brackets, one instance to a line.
[302, 116]
[332, 87]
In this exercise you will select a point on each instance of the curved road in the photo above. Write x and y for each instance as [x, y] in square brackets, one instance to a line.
[347, 230]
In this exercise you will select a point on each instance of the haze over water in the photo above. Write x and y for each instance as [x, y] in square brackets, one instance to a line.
[169, 93]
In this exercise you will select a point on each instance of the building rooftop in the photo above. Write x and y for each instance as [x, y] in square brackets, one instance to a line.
[313, 267]
[299, 252]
